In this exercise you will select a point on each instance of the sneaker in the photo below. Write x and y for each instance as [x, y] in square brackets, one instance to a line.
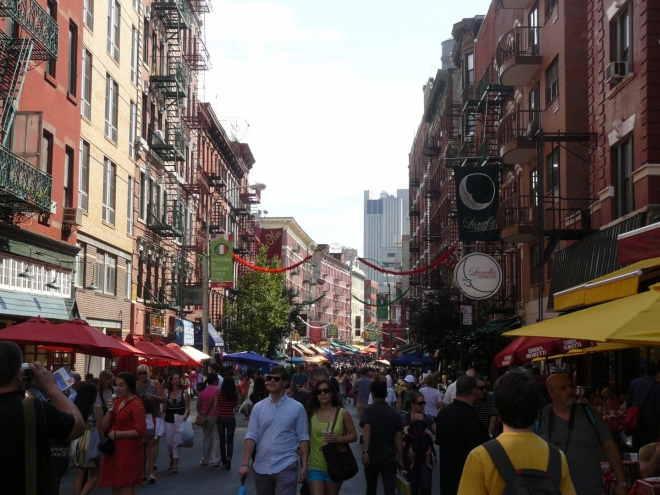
[228, 464]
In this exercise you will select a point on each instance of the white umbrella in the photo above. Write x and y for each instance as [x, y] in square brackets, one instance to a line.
[194, 353]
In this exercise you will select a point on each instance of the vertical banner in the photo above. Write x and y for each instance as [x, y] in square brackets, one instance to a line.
[477, 202]
[315, 332]
[272, 239]
[221, 262]
[383, 308]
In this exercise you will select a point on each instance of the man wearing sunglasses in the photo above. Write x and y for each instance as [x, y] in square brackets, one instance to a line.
[485, 407]
[279, 425]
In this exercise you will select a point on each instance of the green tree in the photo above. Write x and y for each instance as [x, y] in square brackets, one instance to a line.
[258, 317]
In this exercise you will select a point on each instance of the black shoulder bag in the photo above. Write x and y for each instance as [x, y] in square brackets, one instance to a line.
[341, 462]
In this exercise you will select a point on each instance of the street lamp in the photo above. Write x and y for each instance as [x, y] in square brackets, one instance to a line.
[205, 266]
[389, 298]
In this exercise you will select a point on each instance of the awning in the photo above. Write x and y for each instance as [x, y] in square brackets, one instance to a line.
[27, 305]
[615, 285]
[320, 351]
[630, 320]
[214, 338]
[306, 350]
[194, 353]
[601, 347]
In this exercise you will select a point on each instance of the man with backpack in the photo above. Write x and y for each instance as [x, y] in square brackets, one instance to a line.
[518, 461]
[578, 431]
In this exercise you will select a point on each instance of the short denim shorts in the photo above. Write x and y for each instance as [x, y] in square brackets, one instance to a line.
[316, 475]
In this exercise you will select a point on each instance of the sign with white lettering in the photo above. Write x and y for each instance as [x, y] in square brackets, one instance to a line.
[478, 276]
[477, 202]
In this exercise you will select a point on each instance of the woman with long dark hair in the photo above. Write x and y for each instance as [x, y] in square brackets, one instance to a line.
[91, 413]
[260, 391]
[419, 473]
[324, 404]
[125, 424]
[225, 401]
[177, 402]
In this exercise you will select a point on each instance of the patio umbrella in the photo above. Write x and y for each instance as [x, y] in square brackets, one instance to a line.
[75, 334]
[248, 357]
[128, 363]
[631, 320]
[600, 347]
[525, 349]
[154, 352]
[197, 355]
[184, 358]
[412, 360]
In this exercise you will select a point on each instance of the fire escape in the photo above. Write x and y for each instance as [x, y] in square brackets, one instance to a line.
[24, 189]
[249, 231]
[167, 212]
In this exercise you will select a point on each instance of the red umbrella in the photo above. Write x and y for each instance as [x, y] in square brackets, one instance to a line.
[76, 335]
[154, 351]
[525, 349]
[184, 358]
[128, 363]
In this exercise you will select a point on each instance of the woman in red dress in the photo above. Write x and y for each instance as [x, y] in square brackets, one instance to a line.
[125, 424]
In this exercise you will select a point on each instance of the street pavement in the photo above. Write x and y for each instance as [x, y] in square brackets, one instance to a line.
[207, 480]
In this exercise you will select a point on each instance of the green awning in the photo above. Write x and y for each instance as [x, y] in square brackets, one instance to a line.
[27, 305]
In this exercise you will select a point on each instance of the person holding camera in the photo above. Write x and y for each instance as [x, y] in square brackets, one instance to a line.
[58, 419]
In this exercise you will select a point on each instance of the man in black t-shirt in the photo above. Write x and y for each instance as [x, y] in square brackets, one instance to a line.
[383, 441]
[58, 419]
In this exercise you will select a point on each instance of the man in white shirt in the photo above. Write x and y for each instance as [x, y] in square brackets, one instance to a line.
[450, 393]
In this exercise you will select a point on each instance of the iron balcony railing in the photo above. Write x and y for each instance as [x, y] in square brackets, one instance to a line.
[519, 211]
[521, 124]
[169, 145]
[37, 23]
[559, 214]
[173, 13]
[519, 42]
[22, 186]
[414, 180]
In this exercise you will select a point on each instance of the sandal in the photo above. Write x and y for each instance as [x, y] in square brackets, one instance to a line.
[152, 480]
[175, 470]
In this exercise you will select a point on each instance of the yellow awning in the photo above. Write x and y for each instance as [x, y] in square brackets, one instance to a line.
[632, 320]
[620, 283]
[601, 347]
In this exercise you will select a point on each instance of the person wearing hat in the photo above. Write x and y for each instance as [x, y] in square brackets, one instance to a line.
[403, 404]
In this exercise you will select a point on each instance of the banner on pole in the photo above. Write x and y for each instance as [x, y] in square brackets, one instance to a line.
[272, 239]
[382, 310]
[477, 202]
[466, 311]
[221, 262]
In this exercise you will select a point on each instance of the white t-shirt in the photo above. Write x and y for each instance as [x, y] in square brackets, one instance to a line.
[432, 397]
[390, 399]
[450, 394]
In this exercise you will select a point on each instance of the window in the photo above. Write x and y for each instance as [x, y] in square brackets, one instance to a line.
[52, 11]
[534, 185]
[145, 112]
[47, 153]
[132, 130]
[83, 176]
[534, 256]
[128, 293]
[552, 171]
[106, 269]
[26, 136]
[622, 165]
[111, 105]
[552, 81]
[469, 69]
[144, 191]
[533, 23]
[620, 38]
[79, 276]
[88, 14]
[134, 57]
[550, 6]
[86, 107]
[67, 200]
[73, 58]
[109, 182]
[130, 207]
[114, 16]
[136, 4]
[145, 48]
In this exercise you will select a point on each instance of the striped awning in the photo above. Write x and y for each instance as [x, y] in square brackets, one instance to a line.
[615, 285]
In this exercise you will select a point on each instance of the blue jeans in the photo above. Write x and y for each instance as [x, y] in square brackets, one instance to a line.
[419, 477]
[226, 427]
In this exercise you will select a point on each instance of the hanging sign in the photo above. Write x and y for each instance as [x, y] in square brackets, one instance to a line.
[466, 311]
[382, 310]
[272, 239]
[477, 202]
[478, 276]
[221, 262]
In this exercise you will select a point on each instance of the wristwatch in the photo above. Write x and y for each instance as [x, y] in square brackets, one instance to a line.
[365, 452]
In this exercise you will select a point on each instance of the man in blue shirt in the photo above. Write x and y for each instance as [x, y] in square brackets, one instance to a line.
[279, 425]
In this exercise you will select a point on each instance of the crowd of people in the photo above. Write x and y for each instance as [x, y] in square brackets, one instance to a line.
[525, 430]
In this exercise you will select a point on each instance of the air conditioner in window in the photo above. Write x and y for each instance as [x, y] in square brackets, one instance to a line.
[72, 216]
[616, 71]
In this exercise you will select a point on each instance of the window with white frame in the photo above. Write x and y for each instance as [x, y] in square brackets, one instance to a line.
[128, 293]
[109, 186]
[106, 269]
[620, 37]
[83, 176]
[130, 207]
[9, 278]
[552, 81]
[143, 199]
[114, 20]
[111, 108]
[134, 56]
[86, 107]
[132, 130]
[88, 14]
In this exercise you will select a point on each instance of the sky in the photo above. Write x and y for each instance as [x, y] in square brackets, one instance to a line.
[328, 94]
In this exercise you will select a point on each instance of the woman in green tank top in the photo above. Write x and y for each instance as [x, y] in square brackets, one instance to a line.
[323, 406]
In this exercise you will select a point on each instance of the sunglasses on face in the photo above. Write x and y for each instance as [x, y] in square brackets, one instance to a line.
[323, 391]
[482, 388]
[420, 403]
[142, 373]
[269, 378]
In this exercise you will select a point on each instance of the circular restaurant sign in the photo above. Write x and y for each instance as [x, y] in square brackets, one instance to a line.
[478, 276]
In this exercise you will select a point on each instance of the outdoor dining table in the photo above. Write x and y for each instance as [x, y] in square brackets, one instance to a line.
[649, 486]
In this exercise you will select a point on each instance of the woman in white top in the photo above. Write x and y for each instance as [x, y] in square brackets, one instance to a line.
[432, 395]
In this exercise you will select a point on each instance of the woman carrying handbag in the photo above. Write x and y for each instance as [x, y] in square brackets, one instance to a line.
[331, 429]
[206, 416]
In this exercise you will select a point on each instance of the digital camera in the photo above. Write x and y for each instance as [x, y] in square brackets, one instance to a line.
[27, 372]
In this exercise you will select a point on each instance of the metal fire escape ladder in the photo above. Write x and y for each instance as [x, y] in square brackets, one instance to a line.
[15, 56]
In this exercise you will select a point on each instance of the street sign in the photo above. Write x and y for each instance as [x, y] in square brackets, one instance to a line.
[466, 311]
[382, 310]
[222, 262]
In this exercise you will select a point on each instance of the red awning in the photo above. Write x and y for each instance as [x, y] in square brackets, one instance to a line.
[525, 349]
